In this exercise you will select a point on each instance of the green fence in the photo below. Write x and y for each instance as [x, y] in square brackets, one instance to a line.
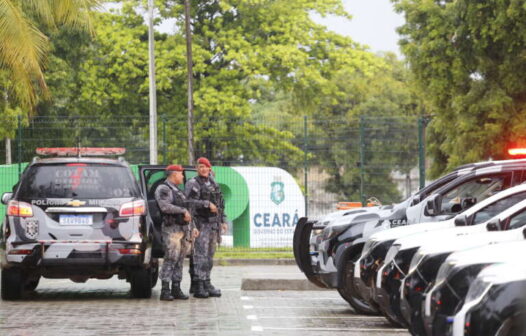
[272, 170]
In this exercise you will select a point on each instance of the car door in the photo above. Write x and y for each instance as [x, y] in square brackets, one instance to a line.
[151, 176]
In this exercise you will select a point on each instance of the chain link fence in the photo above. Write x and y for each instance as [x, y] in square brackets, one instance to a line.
[272, 170]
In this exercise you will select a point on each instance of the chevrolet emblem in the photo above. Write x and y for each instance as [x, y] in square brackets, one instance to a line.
[76, 203]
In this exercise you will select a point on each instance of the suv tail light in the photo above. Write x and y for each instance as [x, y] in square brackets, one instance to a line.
[135, 208]
[19, 209]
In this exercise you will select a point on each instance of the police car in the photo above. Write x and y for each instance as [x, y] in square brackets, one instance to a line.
[77, 213]
[327, 249]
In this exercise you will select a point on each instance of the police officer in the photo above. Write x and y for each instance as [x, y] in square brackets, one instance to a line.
[210, 220]
[177, 232]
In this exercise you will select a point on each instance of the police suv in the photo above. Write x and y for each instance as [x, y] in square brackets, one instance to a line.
[326, 250]
[77, 214]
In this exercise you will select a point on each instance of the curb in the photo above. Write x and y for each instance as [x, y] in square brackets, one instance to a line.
[243, 262]
[250, 262]
[279, 284]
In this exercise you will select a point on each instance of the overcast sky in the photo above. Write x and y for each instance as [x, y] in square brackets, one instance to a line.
[374, 23]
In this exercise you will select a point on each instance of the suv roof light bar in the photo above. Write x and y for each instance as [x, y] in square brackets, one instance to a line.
[80, 151]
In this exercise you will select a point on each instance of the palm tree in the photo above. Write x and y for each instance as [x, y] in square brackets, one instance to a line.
[23, 46]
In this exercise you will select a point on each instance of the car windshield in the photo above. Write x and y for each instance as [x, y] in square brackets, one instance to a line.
[77, 180]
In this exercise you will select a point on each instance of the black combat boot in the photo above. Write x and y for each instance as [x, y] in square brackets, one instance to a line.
[165, 292]
[212, 291]
[177, 293]
[200, 291]
[193, 286]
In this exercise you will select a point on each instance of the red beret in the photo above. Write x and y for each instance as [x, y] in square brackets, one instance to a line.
[178, 168]
[204, 161]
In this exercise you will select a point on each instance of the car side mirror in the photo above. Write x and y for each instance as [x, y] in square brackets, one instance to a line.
[493, 225]
[6, 197]
[468, 202]
[524, 233]
[461, 220]
[416, 199]
[434, 205]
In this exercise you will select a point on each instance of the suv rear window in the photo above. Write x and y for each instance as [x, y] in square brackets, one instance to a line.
[77, 180]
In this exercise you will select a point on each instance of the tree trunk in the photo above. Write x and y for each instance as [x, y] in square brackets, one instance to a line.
[8, 159]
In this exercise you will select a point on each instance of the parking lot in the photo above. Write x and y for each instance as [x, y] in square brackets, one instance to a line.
[103, 307]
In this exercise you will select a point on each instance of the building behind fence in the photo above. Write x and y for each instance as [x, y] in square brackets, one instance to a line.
[272, 171]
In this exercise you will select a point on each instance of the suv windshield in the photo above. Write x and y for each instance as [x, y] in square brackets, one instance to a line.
[77, 180]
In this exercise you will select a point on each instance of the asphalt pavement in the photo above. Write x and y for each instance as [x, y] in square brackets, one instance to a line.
[103, 307]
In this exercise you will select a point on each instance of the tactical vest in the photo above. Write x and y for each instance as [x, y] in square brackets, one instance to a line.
[177, 201]
[208, 192]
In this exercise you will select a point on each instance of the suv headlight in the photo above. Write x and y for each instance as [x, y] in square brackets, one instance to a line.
[417, 259]
[369, 246]
[478, 289]
[334, 230]
[392, 253]
[443, 272]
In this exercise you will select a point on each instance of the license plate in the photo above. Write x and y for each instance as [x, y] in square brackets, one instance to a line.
[76, 219]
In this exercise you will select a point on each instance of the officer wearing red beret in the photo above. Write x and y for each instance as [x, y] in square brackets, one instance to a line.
[210, 220]
[176, 232]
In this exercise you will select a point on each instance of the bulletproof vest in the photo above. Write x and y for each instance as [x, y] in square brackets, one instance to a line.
[177, 199]
[209, 191]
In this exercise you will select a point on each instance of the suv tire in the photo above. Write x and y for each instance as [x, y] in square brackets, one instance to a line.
[141, 283]
[12, 284]
[349, 292]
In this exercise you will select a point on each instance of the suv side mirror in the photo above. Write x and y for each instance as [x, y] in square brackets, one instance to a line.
[524, 233]
[434, 205]
[493, 225]
[416, 199]
[468, 202]
[461, 220]
[6, 197]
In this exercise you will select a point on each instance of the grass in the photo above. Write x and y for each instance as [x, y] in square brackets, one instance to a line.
[253, 253]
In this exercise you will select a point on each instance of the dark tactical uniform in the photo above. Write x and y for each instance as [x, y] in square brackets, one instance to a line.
[176, 232]
[209, 225]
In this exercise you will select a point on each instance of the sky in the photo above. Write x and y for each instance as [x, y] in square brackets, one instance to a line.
[374, 23]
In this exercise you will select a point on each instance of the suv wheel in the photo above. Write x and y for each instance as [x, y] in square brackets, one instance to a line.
[141, 283]
[349, 292]
[12, 284]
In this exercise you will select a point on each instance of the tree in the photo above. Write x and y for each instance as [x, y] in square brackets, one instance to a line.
[468, 60]
[24, 46]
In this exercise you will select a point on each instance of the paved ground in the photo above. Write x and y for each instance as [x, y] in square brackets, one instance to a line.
[103, 307]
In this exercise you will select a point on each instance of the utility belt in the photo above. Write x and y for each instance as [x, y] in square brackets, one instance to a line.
[212, 221]
[177, 219]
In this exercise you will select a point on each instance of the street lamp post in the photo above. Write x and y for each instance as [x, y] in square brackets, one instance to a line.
[153, 95]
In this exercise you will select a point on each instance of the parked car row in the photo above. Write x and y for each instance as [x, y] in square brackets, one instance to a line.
[434, 277]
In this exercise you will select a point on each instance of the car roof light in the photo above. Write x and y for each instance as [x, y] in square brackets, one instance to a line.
[80, 151]
[517, 151]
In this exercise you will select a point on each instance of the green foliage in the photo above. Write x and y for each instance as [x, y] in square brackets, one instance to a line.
[468, 59]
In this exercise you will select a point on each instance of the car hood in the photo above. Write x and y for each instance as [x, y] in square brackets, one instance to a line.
[410, 230]
[459, 241]
[490, 254]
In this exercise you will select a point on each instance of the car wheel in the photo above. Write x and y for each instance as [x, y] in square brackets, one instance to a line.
[350, 293]
[12, 283]
[32, 284]
[141, 283]
[154, 271]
